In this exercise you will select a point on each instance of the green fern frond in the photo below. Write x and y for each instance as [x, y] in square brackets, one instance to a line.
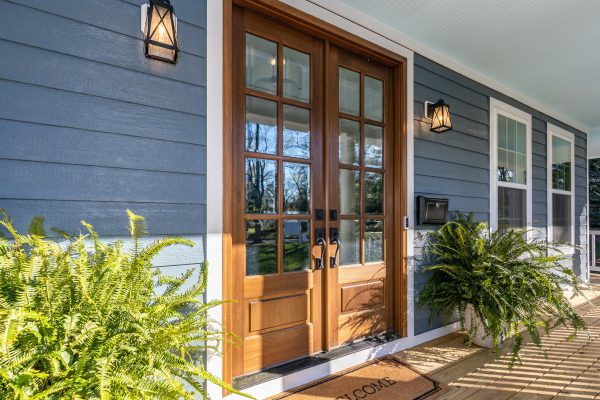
[86, 320]
[511, 282]
[36, 227]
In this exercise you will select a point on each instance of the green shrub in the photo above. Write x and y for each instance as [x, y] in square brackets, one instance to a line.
[512, 282]
[82, 319]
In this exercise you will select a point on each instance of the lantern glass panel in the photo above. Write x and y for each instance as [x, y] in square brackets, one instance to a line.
[161, 31]
[440, 121]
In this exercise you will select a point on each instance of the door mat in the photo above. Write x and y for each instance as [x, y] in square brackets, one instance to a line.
[385, 378]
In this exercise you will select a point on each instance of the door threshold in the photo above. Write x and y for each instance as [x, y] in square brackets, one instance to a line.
[255, 378]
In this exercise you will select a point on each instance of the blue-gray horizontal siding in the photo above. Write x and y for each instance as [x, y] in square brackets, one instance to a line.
[456, 164]
[90, 127]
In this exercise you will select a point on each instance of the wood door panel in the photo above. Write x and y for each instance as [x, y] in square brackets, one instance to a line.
[276, 347]
[362, 273]
[361, 287]
[279, 311]
[358, 325]
[257, 286]
[362, 296]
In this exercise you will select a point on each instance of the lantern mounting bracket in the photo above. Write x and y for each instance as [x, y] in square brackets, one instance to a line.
[428, 112]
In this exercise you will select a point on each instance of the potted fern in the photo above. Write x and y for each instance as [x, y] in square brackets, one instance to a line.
[86, 319]
[498, 283]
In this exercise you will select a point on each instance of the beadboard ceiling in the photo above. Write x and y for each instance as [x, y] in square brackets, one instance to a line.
[547, 51]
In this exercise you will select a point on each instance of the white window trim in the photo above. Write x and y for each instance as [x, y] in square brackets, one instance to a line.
[497, 107]
[569, 137]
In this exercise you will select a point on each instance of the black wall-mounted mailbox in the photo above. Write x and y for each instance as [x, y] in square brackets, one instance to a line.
[432, 211]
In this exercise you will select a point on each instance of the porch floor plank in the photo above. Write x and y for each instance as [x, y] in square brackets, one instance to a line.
[562, 370]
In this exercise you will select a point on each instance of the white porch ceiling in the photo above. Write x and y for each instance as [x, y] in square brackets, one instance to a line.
[547, 51]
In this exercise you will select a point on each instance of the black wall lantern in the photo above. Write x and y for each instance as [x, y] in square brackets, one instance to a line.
[159, 25]
[439, 113]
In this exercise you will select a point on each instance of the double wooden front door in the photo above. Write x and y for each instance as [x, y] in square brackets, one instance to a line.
[313, 171]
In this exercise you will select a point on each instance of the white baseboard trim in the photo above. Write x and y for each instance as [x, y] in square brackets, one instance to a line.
[287, 382]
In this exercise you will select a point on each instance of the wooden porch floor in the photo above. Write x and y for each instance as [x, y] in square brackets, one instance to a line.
[571, 369]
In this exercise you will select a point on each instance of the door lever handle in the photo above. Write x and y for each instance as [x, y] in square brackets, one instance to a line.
[334, 259]
[319, 261]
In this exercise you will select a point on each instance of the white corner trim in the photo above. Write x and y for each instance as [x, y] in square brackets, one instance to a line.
[214, 173]
[498, 107]
[554, 130]
[287, 382]
[447, 61]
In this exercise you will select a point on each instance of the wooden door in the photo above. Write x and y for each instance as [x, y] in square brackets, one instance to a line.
[360, 186]
[277, 188]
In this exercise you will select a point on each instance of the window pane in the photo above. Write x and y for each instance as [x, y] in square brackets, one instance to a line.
[349, 138]
[373, 99]
[296, 245]
[350, 238]
[296, 75]
[501, 131]
[261, 247]
[511, 208]
[261, 64]
[594, 193]
[561, 217]
[349, 192]
[597, 245]
[512, 151]
[261, 186]
[261, 125]
[373, 193]
[349, 93]
[296, 188]
[296, 132]
[373, 146]
[561, 164]
[374, 241]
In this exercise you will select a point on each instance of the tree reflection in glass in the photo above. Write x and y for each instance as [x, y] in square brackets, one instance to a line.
[373, 146]
[296, 132]
[296, 248]
[261, 186]
[373, 193]
[261, 125]
[261, 247]
[296, 188]
[561, 164]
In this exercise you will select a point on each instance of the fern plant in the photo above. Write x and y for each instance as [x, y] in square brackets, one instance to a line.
[511, 282]
[93, 320]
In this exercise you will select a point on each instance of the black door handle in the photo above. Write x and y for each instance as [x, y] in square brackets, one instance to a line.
[319, 261]
[334, 259]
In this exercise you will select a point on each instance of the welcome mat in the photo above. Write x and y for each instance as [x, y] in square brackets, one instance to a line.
[385, 378]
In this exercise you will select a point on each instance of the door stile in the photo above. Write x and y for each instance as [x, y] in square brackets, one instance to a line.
[332, 194]
[319, 188]
[400, 298]
[326, 272]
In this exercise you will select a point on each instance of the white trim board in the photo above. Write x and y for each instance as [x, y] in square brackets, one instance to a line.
[341, 8]
[281, 384]
[498, 107]
[214, 174]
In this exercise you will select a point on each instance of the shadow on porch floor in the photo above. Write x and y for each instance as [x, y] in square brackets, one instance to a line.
[571, 369]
